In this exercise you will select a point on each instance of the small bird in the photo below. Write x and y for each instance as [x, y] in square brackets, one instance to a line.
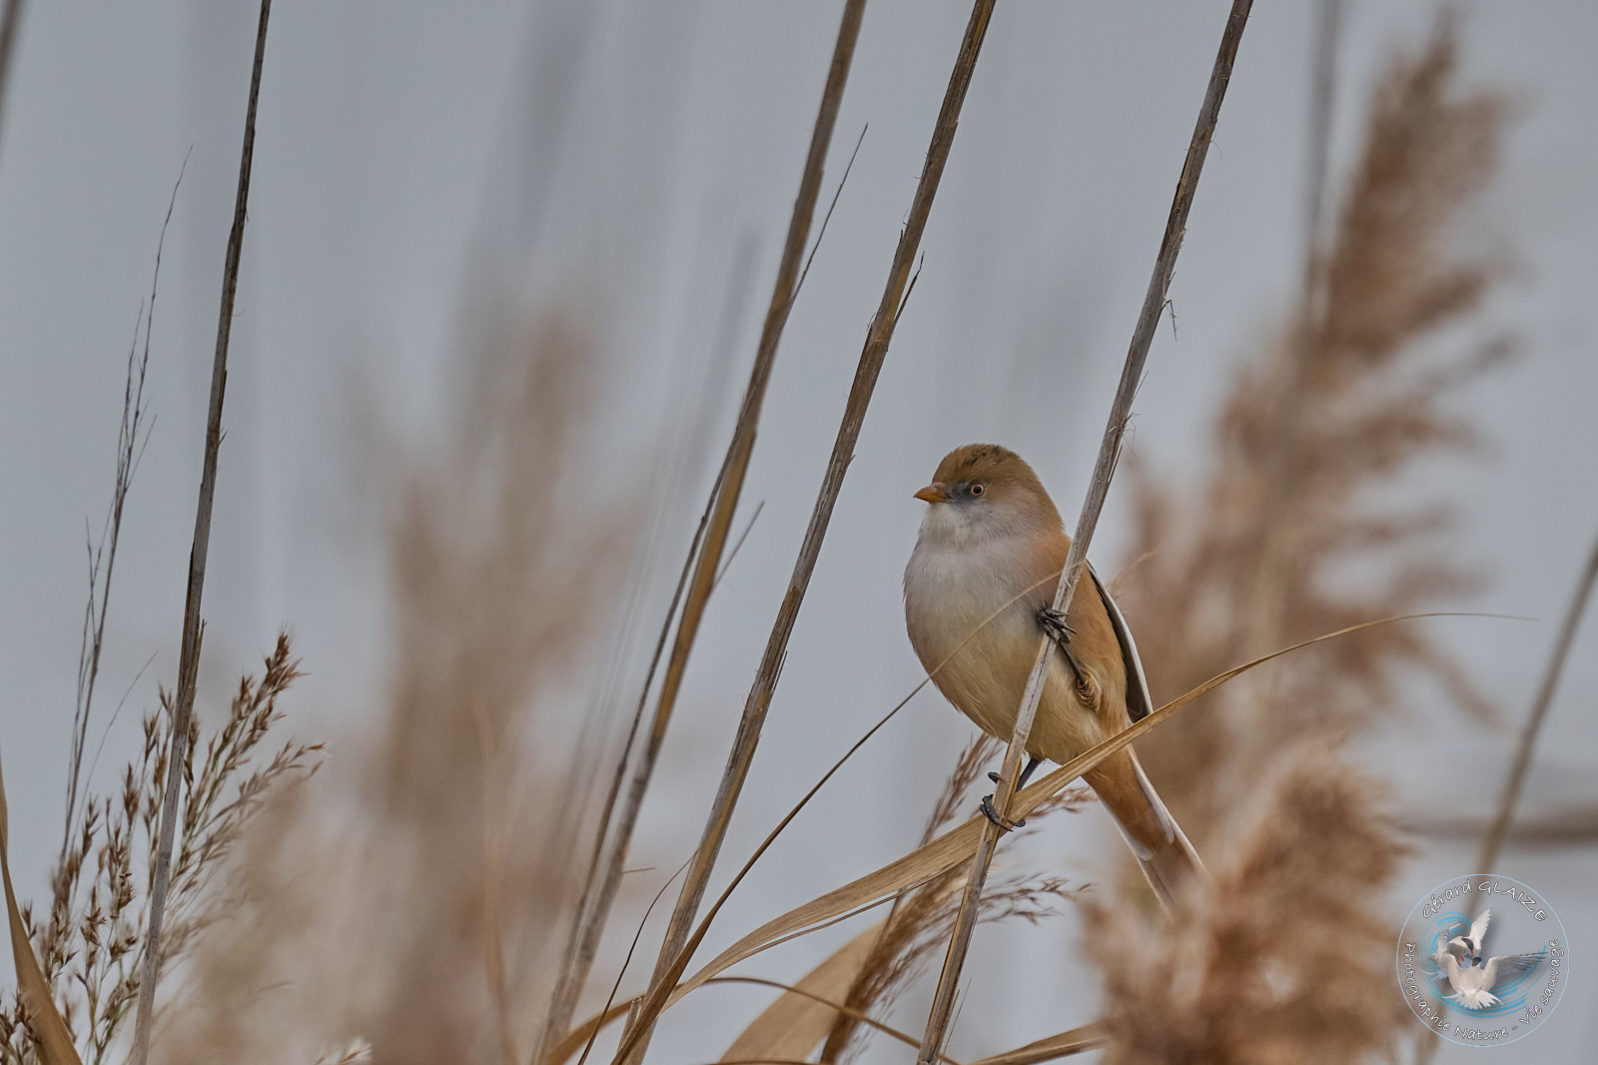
[978, 594]
[1473, 977]
[1467, 947]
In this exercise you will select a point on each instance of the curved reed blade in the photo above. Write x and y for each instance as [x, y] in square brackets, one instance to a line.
[1049, 1048]
[54, 1041]
[944, 852]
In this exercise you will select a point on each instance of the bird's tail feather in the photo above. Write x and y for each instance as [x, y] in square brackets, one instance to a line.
[1472, 998]
[1162, 849]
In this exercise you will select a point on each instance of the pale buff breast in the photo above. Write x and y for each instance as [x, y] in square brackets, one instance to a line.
[980, 646]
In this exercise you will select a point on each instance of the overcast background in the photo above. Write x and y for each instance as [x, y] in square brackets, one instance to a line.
[640, 158]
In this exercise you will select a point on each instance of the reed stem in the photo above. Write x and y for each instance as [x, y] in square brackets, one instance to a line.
[938, 1020]
[705, 554]
[189, 655]
[672, 956]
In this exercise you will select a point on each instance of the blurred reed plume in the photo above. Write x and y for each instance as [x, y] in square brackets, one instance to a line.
[1284, 957]
[501, 564]
[1380, 355]
[405, 909]
[90, 944]
[919, 923]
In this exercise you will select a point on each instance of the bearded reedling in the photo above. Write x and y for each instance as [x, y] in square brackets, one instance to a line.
[985, 564]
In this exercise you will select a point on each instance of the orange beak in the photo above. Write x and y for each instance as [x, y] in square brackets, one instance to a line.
[936, 492]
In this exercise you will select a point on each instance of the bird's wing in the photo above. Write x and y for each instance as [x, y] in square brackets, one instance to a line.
[1508, 966]
[1478, 928]
[1138, 702]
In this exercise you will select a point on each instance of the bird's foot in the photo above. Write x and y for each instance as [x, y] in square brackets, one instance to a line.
[1053, 623]
[1026, 774]
[992, 814]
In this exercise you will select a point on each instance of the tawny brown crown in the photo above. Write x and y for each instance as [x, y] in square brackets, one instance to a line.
[1005, 474]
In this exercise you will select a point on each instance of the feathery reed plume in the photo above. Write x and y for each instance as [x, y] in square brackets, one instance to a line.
[497, 591]
[91, 943]
[1374, 401]
[411, 901]
[1282, 958]
[921, 918]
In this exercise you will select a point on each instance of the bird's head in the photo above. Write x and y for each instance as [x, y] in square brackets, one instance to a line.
[981, 491]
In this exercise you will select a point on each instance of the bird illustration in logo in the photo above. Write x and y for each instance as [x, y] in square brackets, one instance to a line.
[1474, 976]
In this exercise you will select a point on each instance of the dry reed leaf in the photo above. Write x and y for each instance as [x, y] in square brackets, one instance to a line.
[934, 858]
[958, 844]
[1087, 1037]
[792, 1025]
[53, 1041]
[902, 1036]
[920, 920]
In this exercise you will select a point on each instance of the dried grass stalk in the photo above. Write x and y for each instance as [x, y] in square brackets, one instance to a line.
[674, 955]
[189, 661]
[1498, 829]
[1493, 840]
[9, 19]
[131, 435]
[704, 560]
[942, 1012]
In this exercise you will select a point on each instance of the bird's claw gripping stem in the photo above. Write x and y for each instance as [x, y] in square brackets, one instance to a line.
[1053, 623]
[988, 809]
[992, 814]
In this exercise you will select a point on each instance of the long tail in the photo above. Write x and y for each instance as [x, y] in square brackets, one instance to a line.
[1161, 847]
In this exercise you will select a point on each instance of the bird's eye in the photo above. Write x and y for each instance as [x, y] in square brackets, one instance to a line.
[978, 488]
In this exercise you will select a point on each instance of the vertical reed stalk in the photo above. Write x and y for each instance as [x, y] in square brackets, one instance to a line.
[1493, 842]
[600, 891]
[880, 334]
[1509, 798]
[189, 655]
[9, 18]
[1109, 451]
